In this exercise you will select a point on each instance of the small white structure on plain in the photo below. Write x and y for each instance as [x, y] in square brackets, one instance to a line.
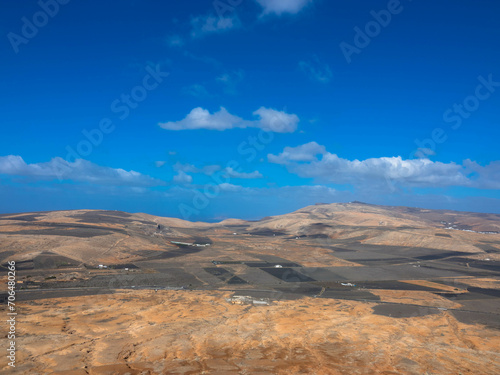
[247, 300]
[101, 266]
[189, 244]
[348, 284]
[235, 233]
[126, 269]
[278, 266]
[240, 300]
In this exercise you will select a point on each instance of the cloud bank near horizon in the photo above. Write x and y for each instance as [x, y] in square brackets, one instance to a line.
[80, 170]
[311, 160]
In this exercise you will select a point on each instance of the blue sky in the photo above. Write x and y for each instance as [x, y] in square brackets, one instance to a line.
[245, 108]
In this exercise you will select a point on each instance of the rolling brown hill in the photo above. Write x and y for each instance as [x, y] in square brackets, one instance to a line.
[328, 289]
[94, 237]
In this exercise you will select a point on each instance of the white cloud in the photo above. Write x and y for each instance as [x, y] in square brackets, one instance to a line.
[305, 152]
[235, 174]
[211, 169]
[80, 170]
[487, 177]
[189, 168]
[200, 118]
[276, 121]
[280, 7]
[384, 171]
[229, 187]
[209, 24]
[269, 120]
[182, 178]
[316, 70]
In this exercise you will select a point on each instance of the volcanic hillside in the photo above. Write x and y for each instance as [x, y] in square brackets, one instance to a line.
[93, 237]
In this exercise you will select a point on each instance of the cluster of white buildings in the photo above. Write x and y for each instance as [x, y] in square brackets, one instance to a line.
[189, 244]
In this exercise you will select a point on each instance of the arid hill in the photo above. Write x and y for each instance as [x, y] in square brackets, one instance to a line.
[328, 289]
[94, 237]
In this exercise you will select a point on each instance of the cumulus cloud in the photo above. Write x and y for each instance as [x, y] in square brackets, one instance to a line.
[209, 24]
[280, 7]
[316, 70]
[200, 118]
[305, 152]
[235, 174]
[229, 187]
[312, 161]
[80, 170]
[487, 177]
[182, 178]
[211, 169]
[267, 119]
[189, 168]
[276, 121]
